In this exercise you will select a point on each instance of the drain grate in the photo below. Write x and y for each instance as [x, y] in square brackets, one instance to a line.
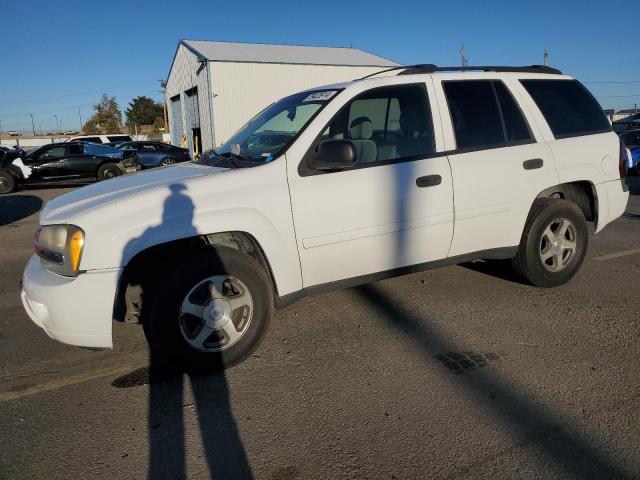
[460, 362]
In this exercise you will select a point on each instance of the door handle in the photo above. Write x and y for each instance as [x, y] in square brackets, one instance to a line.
[533, 163]
[428, 181]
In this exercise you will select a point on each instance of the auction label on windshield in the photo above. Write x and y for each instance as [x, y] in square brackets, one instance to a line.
[320, 96]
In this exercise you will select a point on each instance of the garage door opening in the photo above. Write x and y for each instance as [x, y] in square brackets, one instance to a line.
[193, 121]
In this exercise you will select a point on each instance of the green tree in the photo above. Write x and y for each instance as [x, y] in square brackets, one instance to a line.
[143, 111]
[107, 119]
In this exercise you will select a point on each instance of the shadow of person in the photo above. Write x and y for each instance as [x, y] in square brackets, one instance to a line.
[224, 451]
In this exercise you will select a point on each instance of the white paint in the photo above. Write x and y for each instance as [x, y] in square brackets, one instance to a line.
[26, 171]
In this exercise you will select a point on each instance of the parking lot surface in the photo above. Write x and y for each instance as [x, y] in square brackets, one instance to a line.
[461, 372]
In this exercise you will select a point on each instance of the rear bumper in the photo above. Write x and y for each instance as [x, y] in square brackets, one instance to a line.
[76, 311]
[612, 202]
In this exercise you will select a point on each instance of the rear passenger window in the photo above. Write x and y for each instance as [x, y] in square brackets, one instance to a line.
[385, 124]
[568, 107]
[485, 115]
[475, 115]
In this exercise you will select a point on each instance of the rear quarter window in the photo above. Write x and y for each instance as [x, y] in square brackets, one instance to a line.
[568, 107]
[119, 138]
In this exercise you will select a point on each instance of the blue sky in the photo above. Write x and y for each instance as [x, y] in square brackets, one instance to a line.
[58, 57]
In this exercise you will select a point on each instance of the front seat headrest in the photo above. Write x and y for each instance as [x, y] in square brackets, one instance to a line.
[361, 129]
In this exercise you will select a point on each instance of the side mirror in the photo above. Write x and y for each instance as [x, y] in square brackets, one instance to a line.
[334, 155]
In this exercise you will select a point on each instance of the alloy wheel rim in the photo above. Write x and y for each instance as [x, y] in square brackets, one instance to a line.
[109, 173]
[216, 313]
[168, 161]
[558, 245]
[4, 184]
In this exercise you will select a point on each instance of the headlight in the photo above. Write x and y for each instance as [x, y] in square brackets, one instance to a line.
[60, 248]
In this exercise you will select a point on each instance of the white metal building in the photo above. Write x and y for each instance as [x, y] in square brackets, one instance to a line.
[214, 88]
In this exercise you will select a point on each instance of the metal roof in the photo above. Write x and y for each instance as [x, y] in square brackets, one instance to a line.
[291, 54]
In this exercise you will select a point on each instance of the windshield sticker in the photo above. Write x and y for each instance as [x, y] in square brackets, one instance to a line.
[320, 96]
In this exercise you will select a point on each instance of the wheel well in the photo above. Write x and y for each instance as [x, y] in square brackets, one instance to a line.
[582, 193]
[142, 274]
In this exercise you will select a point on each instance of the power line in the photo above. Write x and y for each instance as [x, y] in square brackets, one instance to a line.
[47, 99]
[618, 96]
[617, 81]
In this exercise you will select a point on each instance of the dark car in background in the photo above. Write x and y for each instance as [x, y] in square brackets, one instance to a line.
[631, 139]
[156, 154]
[64, 163]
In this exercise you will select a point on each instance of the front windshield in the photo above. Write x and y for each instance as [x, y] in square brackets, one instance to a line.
[269, 132]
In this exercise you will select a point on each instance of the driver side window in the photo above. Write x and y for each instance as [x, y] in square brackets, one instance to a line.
[386, 124]
[52, 152]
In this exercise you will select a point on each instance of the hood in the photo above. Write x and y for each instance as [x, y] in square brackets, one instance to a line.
[63, 208]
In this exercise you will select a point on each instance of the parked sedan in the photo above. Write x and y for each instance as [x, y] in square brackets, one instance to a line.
[64, 163]
[156, 154]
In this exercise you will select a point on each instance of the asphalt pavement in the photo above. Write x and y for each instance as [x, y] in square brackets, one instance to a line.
[461, 372]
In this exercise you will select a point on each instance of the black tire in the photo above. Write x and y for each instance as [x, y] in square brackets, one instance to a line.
[166, 161]
[7, 183]
[163, 325]
[107, 171]
[528, 262]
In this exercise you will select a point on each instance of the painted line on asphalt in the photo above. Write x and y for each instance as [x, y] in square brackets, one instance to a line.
[611, 256]
[63, 382]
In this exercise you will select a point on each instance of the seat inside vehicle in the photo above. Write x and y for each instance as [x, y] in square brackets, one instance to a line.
[360, 134]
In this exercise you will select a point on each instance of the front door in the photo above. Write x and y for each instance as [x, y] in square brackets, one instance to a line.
[47, 164]
[393, 209]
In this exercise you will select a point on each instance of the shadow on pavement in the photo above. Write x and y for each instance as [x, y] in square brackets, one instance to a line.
[14, 208]
[495, 268]
[223, 447]
[536, 427]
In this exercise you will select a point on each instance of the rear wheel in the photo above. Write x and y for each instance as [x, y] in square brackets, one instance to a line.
[212, 312]
[167, 161]
[554, 243]
[7, 183]
[108, 170]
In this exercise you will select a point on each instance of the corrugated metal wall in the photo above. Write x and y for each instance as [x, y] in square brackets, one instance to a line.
[243, 89]
[182, 78]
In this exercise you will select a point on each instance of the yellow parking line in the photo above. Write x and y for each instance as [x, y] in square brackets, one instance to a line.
[64, 382]
[617, 254]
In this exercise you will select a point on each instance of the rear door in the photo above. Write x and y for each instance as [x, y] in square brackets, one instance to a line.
[497, 162]
[79, 164]
[393, 209]
[148, 154]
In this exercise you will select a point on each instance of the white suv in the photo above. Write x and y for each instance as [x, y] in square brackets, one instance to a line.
[330, 188]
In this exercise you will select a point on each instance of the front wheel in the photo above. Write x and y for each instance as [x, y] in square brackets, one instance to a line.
[212, 312]
[7, 183]
[108, 170]
[554, 243]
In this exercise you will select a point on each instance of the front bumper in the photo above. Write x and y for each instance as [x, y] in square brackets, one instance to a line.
[78, 310]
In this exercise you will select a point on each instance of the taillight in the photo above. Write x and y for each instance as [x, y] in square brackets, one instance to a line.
[623, 160]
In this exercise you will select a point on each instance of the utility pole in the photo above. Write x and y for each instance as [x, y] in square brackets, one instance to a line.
[163, 90]
[80, 115]
[33, 127]
[463, 61]
[57, 129]
[546, 58]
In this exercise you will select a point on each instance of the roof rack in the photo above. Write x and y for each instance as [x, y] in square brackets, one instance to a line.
[431, 68]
